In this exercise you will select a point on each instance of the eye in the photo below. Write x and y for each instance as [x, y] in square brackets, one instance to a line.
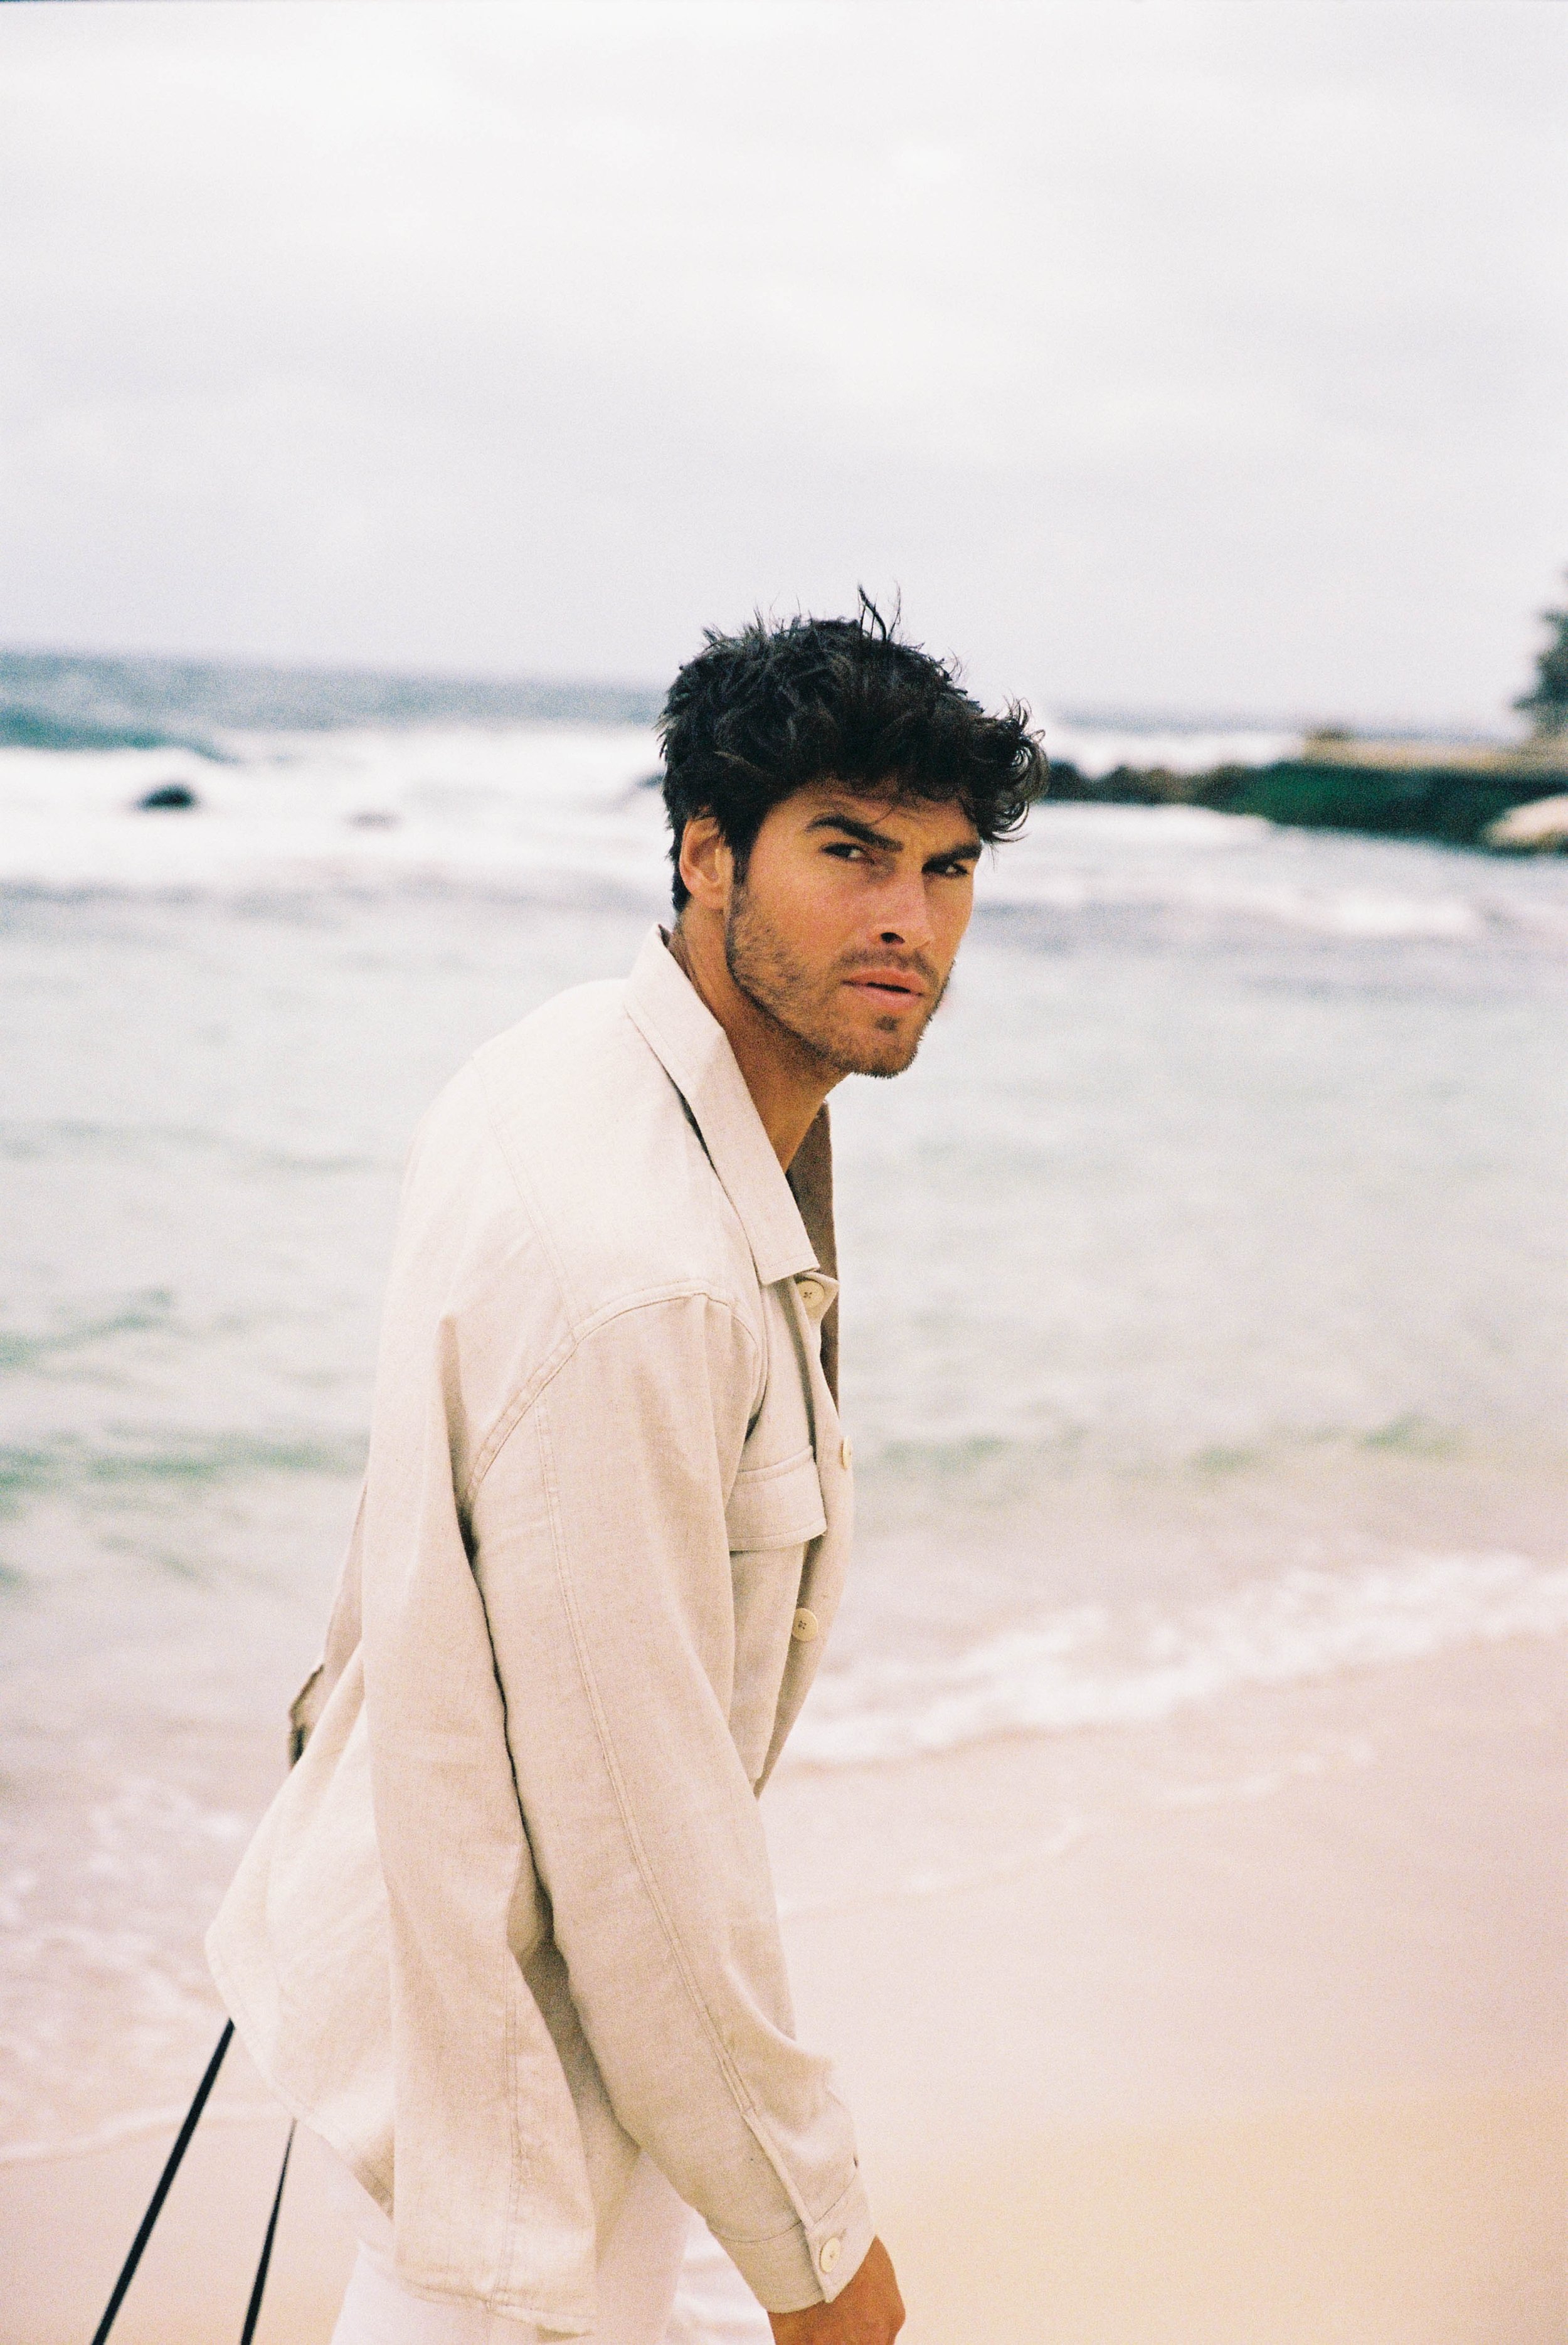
[845, 850]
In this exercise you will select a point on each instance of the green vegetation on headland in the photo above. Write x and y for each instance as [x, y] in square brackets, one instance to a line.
[1346, 785]
[1466, 794]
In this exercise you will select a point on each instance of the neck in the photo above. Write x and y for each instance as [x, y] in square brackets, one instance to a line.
[788, 1080]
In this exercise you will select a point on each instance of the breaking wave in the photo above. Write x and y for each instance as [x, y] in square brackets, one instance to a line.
[1080, 1668]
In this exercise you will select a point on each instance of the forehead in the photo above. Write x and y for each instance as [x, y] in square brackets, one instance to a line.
[924, 822]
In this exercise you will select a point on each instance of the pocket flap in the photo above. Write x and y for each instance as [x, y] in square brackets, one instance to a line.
[776, 1505]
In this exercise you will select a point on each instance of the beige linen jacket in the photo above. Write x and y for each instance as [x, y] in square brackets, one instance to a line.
[511, 1917]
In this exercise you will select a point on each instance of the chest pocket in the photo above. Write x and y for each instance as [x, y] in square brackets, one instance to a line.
[776, 1506]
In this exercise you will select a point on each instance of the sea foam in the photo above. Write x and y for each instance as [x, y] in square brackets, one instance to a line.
[544, 811]
[1080, 1668]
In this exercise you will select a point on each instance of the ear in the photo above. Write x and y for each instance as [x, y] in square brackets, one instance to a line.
[707, 863]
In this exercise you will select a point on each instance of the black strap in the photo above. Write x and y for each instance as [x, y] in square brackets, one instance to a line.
[253, 2311]
[166, 2180]
[128, 2273]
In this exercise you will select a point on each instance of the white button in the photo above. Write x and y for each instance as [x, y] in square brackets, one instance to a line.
[812, 1295]
[805, 1627]
[828, 2253]
[847, 1452]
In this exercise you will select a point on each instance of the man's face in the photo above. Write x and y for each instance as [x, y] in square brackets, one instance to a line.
[846, 925]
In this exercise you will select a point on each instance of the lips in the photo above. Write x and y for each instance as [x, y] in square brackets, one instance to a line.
[889, 986]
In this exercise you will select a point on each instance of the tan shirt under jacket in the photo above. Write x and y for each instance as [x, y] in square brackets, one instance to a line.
[511, 1917]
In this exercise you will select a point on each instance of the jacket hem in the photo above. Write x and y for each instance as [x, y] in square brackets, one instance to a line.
[554, 2320]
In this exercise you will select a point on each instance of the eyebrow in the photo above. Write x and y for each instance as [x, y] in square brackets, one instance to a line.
[866, 835]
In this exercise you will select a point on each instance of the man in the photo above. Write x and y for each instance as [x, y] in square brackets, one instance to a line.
[507, 1940]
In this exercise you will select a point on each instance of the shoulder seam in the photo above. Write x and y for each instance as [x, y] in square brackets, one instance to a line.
[522, 1401]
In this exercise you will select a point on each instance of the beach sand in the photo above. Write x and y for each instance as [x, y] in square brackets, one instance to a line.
[1426, 2222]
[1148, 2054]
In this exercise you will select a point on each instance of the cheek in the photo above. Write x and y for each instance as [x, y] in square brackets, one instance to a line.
[951, 921]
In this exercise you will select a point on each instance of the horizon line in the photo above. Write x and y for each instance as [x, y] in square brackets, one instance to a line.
[1094, 716]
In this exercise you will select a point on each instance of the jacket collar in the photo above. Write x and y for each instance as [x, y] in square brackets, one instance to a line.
[693, 1049]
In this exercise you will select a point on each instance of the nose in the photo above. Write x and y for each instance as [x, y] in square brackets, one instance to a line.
[905, 914]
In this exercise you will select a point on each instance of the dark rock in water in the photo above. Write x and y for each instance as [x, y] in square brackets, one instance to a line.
[372, 818]
[169, 798]
[1127, 785]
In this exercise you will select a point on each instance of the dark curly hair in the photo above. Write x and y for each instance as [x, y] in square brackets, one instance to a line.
[758, 716]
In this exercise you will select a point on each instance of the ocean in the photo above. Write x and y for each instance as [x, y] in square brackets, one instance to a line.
[1204, 1316]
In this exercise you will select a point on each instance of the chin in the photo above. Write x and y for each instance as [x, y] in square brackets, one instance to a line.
[877, 1054]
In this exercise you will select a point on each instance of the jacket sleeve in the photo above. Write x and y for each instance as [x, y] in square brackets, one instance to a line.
[601, 1554]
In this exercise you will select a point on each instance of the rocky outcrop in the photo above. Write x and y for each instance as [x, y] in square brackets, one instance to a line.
[1541, 828]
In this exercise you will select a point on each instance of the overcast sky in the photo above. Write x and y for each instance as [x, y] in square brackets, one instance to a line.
[1200, 357]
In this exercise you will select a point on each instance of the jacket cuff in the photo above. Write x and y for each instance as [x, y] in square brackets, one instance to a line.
[809, 2263]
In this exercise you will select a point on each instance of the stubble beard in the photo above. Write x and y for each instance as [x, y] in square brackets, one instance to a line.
[802, 1003]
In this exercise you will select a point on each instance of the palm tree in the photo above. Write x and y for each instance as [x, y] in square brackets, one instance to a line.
[1547, 705]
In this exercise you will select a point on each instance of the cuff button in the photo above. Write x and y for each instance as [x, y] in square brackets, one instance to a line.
[829, 2253]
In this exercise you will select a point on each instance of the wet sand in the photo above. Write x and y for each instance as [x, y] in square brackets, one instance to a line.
[1434, 2222]
[65, 2224]
[1266, 2056]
